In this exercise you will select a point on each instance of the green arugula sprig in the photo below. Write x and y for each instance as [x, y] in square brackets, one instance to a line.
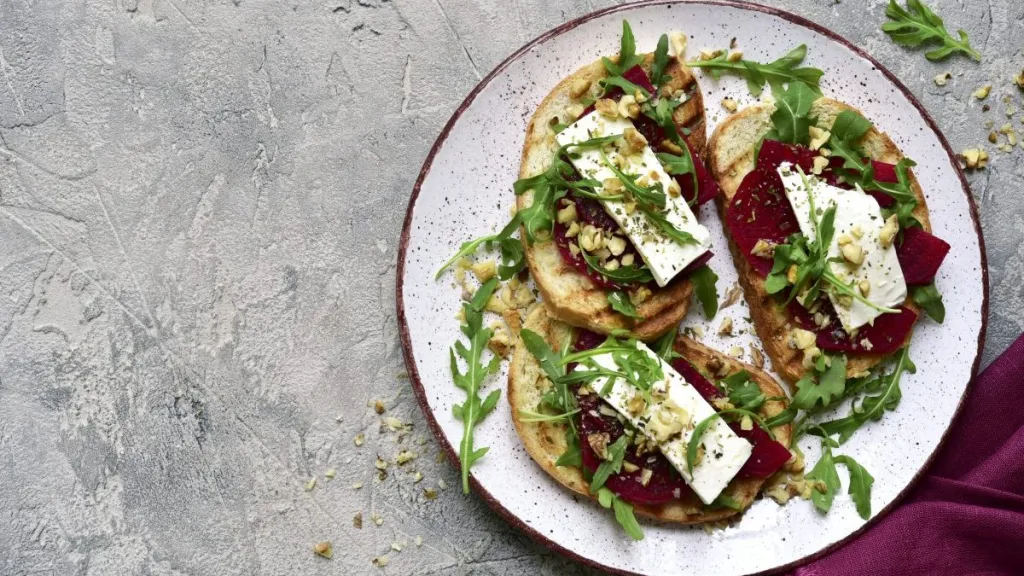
[623, 513]
[813, 264]
[473, 410]
[705, 286]
[693, 445]
[538, 218]
[785, 70]
[620, 302]
[827, 483]
[791, 118]
[624, 274]
[513, 258]
[929, 298]
[917, 24]
[871, 407]
[613, 465]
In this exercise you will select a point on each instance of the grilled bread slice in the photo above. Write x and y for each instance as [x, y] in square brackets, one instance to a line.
[571, 296]
[730, 159]
[545, 441]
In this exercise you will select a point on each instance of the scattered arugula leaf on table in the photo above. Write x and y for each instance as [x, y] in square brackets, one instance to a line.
[917, 24]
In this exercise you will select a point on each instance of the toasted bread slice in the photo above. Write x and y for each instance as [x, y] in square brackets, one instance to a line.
[730, 159]
[571, 296]
[545, 441]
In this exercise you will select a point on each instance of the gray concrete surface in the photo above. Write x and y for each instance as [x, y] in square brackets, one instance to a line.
[199, 207]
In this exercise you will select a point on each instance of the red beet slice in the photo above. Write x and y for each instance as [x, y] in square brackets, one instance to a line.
[885, 336]
[760, 211]
[665, 483]
[577, 262]
[921, 254]
[768, 455]
[586, 340]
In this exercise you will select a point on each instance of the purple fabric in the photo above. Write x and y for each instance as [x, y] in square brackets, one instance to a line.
[966, 515]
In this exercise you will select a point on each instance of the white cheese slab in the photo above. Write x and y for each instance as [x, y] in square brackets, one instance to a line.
[854, 208]
[665, 257]
[724, 452]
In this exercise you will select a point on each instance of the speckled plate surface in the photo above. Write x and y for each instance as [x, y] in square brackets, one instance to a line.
[464, 191]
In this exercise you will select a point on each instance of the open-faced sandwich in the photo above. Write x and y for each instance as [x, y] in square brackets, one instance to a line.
[608, 195]
[829, 232]
[676, 432]
[831, 237]
[615, 148]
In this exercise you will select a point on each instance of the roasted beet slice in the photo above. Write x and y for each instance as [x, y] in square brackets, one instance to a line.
[760, 211]
[885, 336]
[773, 153]
[921, 254]
[664, 485]
[585, 340]
[883, 173]
[592, 212]
[768, 455]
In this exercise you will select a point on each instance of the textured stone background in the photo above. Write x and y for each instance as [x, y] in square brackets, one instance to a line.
[199, 207]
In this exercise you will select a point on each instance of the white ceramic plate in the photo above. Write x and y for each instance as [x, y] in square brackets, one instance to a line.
[464, 191]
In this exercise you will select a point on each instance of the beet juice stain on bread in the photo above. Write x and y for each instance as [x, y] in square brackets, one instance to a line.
[829, 231]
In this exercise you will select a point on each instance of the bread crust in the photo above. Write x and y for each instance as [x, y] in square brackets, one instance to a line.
[730, 159]
[545, 441]
[571, 296]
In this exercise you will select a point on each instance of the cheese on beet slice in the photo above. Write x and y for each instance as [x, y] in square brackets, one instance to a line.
[679, 405]
[664, 256]
[858, 221]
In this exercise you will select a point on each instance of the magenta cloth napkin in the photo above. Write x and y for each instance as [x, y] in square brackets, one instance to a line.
[966, 515]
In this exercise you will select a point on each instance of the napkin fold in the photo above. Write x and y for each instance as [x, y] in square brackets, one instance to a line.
[966, 515]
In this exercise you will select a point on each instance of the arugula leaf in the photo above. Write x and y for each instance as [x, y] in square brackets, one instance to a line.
[512, 255]
[848, 129]
[623, 513]
[548, 359]
[920, 24]
[860, 485]
[704, 282]
[621, 303]
[627, 53]
[826, 480]
[812, 262]
[617, 451]
[812, 396]
[573, 456]
[664, 347]
[625, 274]
[662, 113]
[693, 444]
[790, 118]
[782, 71]
[871, 407]
[724, 501]
[743, 392]
[929, 298]
[661, 59]
[473, 409]
[650, 197]
[626, 86]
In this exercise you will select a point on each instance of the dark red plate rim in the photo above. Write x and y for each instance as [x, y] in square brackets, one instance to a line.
[404, 242]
